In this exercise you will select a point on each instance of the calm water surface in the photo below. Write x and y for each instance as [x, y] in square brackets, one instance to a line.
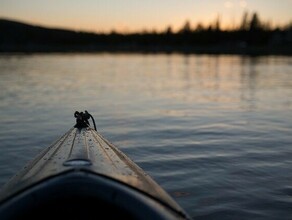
[214, 131]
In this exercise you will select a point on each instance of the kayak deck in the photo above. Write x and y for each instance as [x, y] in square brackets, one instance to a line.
[83, 166]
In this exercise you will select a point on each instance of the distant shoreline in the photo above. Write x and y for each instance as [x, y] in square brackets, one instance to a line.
[210, 50]
[17, 37]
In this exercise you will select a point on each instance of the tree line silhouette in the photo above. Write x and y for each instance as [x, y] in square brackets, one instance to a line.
[252, 36]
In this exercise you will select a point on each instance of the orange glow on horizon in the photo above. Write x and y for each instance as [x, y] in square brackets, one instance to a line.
[136, 16]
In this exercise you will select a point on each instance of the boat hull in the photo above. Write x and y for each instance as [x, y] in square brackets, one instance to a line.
[83, 176]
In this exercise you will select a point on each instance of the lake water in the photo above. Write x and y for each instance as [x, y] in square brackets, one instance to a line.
[214, 131]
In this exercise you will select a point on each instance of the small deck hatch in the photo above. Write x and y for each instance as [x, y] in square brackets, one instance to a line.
[77, 162]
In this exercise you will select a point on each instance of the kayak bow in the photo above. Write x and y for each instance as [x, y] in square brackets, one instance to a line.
[84, 176]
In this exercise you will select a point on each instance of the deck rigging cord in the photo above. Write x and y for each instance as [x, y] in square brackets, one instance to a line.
[82, 120]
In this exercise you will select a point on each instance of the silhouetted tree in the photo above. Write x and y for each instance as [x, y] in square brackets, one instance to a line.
[168, 30]
[186, 29]
[255, 23]
[217, 24]
[200, 27]
[210, 27]
[153, 31]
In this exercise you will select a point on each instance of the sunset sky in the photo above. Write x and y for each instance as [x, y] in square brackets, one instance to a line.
[137, 15]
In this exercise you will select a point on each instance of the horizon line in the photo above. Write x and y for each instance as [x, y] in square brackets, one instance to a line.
[231, 27]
